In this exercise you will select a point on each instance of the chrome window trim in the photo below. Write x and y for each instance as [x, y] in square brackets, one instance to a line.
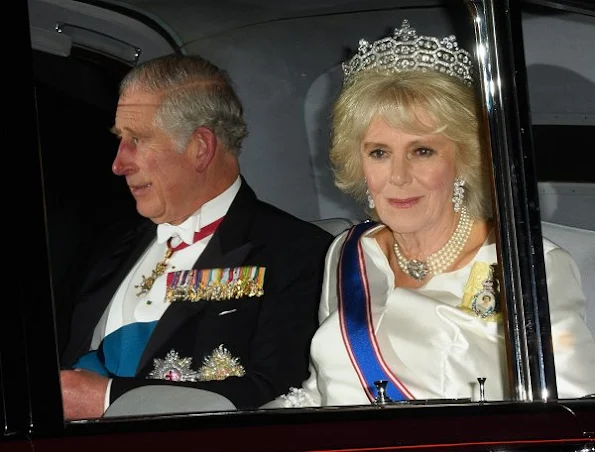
[504, 92]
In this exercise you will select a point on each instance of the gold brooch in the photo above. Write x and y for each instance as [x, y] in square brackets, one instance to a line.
[148, 281]
[220, 365]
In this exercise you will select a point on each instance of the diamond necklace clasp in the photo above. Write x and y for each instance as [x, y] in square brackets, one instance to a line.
[443, 258]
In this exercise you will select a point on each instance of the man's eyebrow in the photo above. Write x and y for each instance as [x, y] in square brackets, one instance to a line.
[115, 130]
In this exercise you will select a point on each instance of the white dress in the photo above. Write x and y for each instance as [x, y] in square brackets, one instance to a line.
[431, 345]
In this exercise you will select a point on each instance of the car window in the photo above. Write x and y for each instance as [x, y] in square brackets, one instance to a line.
[286, 65]
[561, 83]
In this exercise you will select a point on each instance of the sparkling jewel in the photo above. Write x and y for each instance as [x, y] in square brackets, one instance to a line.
[220, 365]
[160, 268]
[173, 368]
[443, 258]
[407, 51]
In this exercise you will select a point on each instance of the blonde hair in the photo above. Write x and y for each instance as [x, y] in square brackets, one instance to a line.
[396, 97]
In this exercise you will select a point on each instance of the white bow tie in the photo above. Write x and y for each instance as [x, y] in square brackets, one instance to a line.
[165, 231]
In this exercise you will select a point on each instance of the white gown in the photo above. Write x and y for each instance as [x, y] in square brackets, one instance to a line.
[434, 348]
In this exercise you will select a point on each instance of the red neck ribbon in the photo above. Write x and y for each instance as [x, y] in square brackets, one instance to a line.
[204, 232]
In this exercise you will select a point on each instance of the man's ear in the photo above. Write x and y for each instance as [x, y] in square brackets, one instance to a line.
[204, 145]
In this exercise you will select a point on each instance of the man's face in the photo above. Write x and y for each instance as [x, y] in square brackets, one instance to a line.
[161, 180]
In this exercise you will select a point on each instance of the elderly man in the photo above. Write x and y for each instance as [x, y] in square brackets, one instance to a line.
[217, 290]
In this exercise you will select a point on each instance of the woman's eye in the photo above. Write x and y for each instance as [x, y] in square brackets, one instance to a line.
[377, 153]
[424, 152]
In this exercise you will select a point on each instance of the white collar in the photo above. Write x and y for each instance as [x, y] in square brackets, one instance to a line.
[206, 214]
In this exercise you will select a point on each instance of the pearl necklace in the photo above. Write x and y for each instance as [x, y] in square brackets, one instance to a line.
[443, 258]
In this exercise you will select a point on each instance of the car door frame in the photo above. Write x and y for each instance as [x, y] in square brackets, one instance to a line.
[29, 363]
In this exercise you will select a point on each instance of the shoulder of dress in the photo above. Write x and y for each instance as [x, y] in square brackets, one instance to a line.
[354, 232]
[337, 243]
[548, 245]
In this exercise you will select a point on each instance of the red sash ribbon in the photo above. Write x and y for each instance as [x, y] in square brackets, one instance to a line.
[204, 232]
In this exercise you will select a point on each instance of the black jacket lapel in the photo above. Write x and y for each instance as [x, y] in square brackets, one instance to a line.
[99, 291]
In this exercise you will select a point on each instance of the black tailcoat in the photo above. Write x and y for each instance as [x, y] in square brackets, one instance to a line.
[269, 335]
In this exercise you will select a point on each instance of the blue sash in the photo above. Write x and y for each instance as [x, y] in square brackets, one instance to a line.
[356, 322]
[119, 353]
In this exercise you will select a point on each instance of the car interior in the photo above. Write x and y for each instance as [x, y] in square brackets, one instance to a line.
[285, 59]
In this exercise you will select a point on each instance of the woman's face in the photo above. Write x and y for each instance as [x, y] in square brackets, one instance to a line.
[410, 177]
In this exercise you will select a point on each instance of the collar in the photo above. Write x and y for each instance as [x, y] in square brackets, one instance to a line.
[208, 212]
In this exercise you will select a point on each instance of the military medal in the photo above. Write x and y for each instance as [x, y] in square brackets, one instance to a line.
[147, 282]
[215, 284]
[161, 266]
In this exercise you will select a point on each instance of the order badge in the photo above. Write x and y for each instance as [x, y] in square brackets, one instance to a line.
[482, 292]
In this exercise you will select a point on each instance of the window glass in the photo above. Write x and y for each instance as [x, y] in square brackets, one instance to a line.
[286, 67]
[76, 98]
[561, 86]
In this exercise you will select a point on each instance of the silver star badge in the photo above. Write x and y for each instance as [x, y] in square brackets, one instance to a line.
[173, 368]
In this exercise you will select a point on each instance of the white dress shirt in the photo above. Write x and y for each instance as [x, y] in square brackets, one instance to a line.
[126, 306]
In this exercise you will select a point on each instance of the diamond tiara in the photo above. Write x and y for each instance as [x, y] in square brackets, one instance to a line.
[407, 51]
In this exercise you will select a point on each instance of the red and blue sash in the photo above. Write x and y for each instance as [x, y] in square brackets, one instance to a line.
[355, 317]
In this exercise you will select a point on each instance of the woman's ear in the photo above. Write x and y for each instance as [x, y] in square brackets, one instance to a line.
[204, 145]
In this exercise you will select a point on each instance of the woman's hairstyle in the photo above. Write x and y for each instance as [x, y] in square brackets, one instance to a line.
[195, 93]
[397, 97]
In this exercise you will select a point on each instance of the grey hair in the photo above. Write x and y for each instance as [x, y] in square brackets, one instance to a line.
[451, 104]
[195, 93]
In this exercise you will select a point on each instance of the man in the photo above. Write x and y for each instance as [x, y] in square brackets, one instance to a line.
[219, 291]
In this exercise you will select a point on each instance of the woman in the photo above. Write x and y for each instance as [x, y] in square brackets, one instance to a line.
[413, 298]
